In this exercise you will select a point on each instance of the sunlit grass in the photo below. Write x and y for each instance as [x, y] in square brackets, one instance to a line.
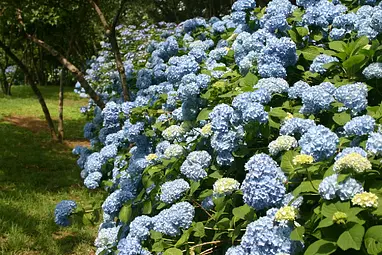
[35, 174]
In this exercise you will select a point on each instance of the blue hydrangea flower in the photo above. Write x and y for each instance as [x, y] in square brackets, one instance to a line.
[250, 110]
[276, 56]
[107, 237]
[235, 250]
[108, 152]
[173, 190]
[348, 188]
[62, 212]
[110, 114]
[243, 5]
[131, 246]
[315, 99]
[263, 185]
[328, 187]
[89, 130]
[264, 236]
[297, 89]
[373, 71]
[319, 142]
[353, 96]
[92, 180]
[220, 117]
[337, 34]
[208, 203]
[362, 125]
[170, 221]
[140, 227]
[195, 164]
[295, 126]
[374, 143]
[94, 163]
[322, 13]
[318, 63]
[273, 85]
[114, 201]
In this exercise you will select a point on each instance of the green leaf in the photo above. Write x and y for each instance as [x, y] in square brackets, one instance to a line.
[327, 222]
[125, 213]
[297, 234]
[223, 223]
[351, 238]
[243, 212]
[278, 112]
[339, 46]
[373, 240]
[359, 44]
[155, 235]
[321, 247]
[173, 251]
[302, 31]
[147, 208]
[353, 64]
[249, 80]
[184, 238]
[194, 186]
[307, 187]
[199, 230]
[329, 208]
[310, 53]
[287, 161]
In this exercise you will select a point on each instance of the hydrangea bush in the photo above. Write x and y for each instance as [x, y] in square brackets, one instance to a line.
[255, 133]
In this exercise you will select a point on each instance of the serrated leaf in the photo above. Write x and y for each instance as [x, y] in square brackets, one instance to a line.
[321, 247]
[351, 238]
[373, 240]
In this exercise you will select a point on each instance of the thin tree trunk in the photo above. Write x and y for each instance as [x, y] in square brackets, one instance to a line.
[61, 107]
[35, 89]
[65, 62]
[110, 33]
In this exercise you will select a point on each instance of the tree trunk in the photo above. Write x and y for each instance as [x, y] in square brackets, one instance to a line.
[72, 68]
[61, 107]
[120, 66]
[35, 89]
[65, 62]
[110, 33]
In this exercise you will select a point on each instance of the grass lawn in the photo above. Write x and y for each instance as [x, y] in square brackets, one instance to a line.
[36, 173]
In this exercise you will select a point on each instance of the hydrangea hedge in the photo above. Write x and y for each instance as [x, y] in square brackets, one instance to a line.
[256, 133]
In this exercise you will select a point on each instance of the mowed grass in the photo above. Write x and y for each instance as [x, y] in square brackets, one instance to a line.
[36, 173]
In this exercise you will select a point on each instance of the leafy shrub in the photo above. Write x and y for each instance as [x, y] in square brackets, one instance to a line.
[257, 133]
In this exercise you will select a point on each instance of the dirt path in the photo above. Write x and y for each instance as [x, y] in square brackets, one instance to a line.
[37, 125]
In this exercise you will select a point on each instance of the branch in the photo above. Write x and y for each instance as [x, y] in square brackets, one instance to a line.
[118, 14]
[65, 62]
[101, 16]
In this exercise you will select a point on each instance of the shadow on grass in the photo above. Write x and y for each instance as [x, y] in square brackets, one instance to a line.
[35, 174]
[33, 162]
